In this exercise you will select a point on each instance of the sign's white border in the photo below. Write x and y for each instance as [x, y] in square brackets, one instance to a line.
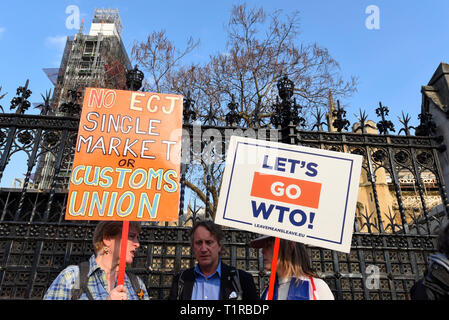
[341, 244]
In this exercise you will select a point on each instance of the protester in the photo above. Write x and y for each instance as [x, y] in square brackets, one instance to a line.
[434, 285]
[295, 279]
[97, 278]
[211, 279]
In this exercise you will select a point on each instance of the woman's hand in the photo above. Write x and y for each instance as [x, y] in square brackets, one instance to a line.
[118, 293]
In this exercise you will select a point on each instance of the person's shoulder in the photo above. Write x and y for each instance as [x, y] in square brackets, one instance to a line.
[186, 276]
[60, 288]
[228, 269]
[69, 272]
[244, 273]
[323, 290]
[320, 282]
[186, 273]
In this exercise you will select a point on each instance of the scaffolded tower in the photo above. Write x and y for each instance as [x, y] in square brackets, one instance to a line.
[97, 59]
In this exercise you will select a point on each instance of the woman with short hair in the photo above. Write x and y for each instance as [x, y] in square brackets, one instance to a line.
[102, 269]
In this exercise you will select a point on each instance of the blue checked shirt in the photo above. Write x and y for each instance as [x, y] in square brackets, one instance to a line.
[62, 286]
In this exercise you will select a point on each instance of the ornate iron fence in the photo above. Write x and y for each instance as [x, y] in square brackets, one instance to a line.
[393, 235]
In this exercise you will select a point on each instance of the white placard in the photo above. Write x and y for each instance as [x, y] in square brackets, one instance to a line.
[292, 192]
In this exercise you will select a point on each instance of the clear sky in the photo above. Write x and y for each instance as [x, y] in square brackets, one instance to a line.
[392, 61]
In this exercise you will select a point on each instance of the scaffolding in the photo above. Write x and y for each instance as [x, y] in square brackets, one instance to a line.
[111, 16]
[98, 60]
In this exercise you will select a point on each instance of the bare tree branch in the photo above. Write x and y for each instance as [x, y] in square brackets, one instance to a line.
[260, 48]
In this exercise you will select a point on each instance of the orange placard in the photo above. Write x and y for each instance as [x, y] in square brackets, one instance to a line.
[127, 158]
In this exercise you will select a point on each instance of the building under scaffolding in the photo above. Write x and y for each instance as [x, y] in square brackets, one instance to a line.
[97, 59]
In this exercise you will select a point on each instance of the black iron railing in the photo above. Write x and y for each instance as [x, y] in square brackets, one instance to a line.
[402, 202]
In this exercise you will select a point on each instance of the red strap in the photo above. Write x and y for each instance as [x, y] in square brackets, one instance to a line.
[313, 287]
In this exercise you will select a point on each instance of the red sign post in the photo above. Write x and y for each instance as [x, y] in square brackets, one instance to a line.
[274, 263]
[123, 247]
